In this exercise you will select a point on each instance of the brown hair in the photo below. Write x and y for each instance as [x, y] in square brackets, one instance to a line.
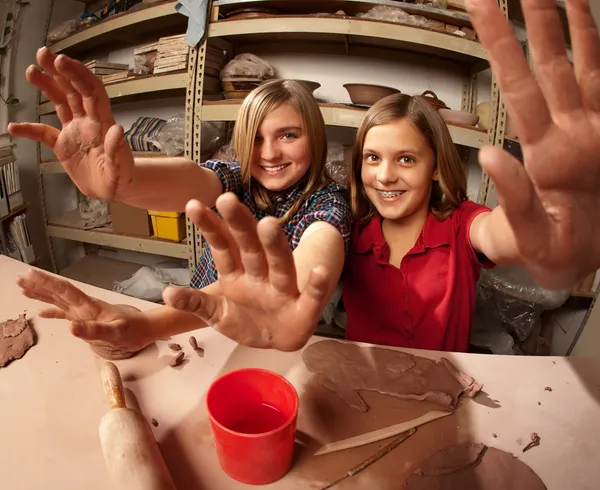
[256, 106]
[451, 188]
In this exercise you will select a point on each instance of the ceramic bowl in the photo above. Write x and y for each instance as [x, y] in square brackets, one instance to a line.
[433, 100]
[231, 85]
[365, 94]
[311, 86]
[459, 117]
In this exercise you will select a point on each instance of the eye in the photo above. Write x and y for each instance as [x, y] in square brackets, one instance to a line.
[289, 136]
[407, 159]
[370, 158]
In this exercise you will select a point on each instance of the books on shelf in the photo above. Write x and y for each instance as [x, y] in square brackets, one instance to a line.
[11, 196]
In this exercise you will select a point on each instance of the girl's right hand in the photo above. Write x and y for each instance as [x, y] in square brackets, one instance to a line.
[113, 331]
[90, 144]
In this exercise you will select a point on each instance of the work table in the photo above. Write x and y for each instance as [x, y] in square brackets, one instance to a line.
[52, 401]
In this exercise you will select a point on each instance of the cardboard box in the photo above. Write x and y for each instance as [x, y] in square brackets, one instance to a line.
[129, 220]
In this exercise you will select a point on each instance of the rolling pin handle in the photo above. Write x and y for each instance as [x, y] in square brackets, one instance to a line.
[113, 385]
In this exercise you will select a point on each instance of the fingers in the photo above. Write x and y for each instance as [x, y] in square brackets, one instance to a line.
[314, 295]
[553, 70]
[96, 102]
[280, 259]
[46, 60]
[61, 288]
[110, 332]
[586, 51]
[524, 99]
[242, 226]
[55, 94]
[517, 197]
[113, 141]
[44, 298]
[225, 250]
[46, 135]
[205, 306]
[54, 314]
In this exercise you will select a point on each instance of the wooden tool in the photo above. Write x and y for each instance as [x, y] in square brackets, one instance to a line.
[378, 435]
[377, 456]
[131, 454]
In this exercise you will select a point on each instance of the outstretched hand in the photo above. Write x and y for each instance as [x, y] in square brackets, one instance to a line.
[552, 202]
[260, 303]
[90, 144]
[113, 331]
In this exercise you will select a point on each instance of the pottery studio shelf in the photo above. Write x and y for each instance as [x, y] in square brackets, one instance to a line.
[142, 87]
[70, 227]
[341, 115]
[53, 166]
[126, 28]
[350, 32]
[15, 212]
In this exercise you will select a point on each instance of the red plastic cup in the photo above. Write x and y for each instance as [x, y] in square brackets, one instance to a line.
[253, 416]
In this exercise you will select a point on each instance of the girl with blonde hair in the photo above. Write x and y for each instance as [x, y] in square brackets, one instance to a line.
[280, 143]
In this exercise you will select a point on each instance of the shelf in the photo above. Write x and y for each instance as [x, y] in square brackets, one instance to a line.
[100, 271]
[139, 86]
[55, 167]
[70, 227]
[581, 294]
[15, 212]
[341, 115]
[125, 27]
[351, 31]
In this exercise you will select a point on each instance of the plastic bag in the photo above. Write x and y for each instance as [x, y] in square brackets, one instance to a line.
[64, 30]
[148, 283]
[143, 64]
[394, 14]
[225, 154]
[338, 164]
[94, 213]
[247, 65]
[171, 137]
[508, 296]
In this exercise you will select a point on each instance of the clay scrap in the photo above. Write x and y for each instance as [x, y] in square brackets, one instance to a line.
[16, 338]
[473, 466]
[346, 369]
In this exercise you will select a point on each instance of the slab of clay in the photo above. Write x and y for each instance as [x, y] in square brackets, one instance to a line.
[475, 467]
[16, 337]
[347, 369]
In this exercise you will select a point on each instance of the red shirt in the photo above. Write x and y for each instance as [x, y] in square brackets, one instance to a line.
[428, 302]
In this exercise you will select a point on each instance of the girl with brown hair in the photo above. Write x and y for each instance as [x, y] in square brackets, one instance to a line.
[417, 248]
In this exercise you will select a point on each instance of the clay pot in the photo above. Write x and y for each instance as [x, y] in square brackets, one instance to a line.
[458, 117]
[236, 94]
[233, 84]
[432, 99]
[250, 12]
[311, 86]
[365, 94]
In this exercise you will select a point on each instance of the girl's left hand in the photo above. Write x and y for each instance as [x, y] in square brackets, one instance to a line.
[552, 202]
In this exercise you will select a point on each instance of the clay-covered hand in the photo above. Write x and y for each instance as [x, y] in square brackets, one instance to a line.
[113, 331]
[90, 144]
[552, 202]
[259, 303]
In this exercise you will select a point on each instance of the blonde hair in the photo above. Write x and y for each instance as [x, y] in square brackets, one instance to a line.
[449, 191]
[256, 106]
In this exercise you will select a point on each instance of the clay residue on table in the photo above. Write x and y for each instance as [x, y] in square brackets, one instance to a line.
[474, 467]
[16, 337]
[347, 369]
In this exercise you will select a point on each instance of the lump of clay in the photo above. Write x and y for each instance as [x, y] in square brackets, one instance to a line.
[347, 369]
[16, 337]
[474, 466]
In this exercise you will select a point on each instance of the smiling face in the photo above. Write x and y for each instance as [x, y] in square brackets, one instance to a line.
[398, 169]
[281, 154]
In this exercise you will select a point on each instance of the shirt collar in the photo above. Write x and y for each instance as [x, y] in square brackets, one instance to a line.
[435, 233]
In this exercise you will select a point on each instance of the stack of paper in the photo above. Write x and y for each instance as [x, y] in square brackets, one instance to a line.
[172, 54]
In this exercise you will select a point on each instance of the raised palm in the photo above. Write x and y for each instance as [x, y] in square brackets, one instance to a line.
[552, 202]
[89, 145]
[258, 302]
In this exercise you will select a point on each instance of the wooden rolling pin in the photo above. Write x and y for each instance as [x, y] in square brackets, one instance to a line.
[131, 454]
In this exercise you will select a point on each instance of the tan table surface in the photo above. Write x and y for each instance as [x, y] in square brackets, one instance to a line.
[51, 402]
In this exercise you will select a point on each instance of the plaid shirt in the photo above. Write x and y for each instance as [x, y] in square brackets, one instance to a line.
[328, 204]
